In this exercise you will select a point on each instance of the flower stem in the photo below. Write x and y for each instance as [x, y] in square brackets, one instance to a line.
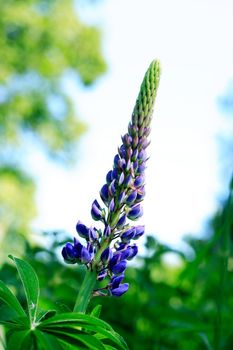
[85, 292]
[88, 283]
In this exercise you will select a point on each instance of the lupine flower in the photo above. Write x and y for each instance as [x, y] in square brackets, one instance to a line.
[108, 249]
[116, 288]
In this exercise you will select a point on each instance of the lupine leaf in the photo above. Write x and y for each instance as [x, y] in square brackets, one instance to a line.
[99, 333]
[17, 323]
[75, 338]
[75, 317]
[81, 322]
[31, 285]
[96, 311]
[45, 315]
[46, 341]
[8, 297]
[18, 340]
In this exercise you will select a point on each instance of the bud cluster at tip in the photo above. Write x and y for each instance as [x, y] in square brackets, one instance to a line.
[108, 250]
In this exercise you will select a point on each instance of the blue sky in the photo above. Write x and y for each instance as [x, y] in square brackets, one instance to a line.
[193, 40]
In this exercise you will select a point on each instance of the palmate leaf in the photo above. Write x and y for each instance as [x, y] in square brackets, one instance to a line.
[81, 323]
[20, 340]
[48, 331]
[78, 340]
[46, 341]
[31, 286]
[8, 297]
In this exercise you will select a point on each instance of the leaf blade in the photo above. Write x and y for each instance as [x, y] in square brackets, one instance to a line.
[31, 286]
[10, 299]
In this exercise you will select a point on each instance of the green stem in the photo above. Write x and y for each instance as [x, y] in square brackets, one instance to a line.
[85, 292]
[89, 281]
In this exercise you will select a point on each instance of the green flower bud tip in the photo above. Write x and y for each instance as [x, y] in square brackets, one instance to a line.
[144, 104]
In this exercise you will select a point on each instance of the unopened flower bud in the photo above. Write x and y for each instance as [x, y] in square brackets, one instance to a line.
[82, 230]
[135, 212]
[96, 211]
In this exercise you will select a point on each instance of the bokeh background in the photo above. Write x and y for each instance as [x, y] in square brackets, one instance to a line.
[70, 72]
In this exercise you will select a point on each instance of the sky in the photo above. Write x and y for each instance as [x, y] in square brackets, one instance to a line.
[193, 41]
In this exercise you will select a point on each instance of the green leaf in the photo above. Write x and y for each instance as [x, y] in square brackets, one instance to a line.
[19, 340]
[75, 317]
[96, 311]
[17, 323]
[31, 285]
[75, 338]
[8, 297]
[46, 341]
[83, 323]
[46, 315]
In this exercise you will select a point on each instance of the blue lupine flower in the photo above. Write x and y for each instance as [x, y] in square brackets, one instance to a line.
[135, 212]
[133, 253]
[82, 230]
[104, 194]
[106, 255]
[116, 288]
[118, 268]
[139, 231]
[128, 235]
[118, 292]
[107, 250]
[131, 198]
[85, 256]
[96, 211]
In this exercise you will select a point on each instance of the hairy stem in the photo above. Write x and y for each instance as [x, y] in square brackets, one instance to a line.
[85, 292]
[88, 284]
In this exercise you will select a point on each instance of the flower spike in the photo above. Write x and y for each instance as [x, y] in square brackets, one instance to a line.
[107, 250]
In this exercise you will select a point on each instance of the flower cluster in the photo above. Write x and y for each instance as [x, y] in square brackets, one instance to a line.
[108, 250]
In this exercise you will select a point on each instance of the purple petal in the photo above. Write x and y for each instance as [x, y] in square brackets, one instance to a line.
[119, 267]
[82, 230]
[96, 211]
[106, 255]
[121, 197]
[114, 260]
[117, 292]
[104, 193]
[128, 235]
[128, 180]
[109, 177]
[135, 213]
[139, 181]
[111, 205]
[139, 231]
[71, 251]
[116, 160]
[134, 251]
[112, 188]
[107, 231]
[121, 179]
[125, 254]
[116, 280]
[85, 256]
[121, 221]
[131, 197]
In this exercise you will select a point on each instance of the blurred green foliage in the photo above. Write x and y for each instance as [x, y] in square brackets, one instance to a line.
[183, 305]
[40, 42]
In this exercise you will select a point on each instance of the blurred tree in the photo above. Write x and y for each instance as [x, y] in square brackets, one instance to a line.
[41, 42]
